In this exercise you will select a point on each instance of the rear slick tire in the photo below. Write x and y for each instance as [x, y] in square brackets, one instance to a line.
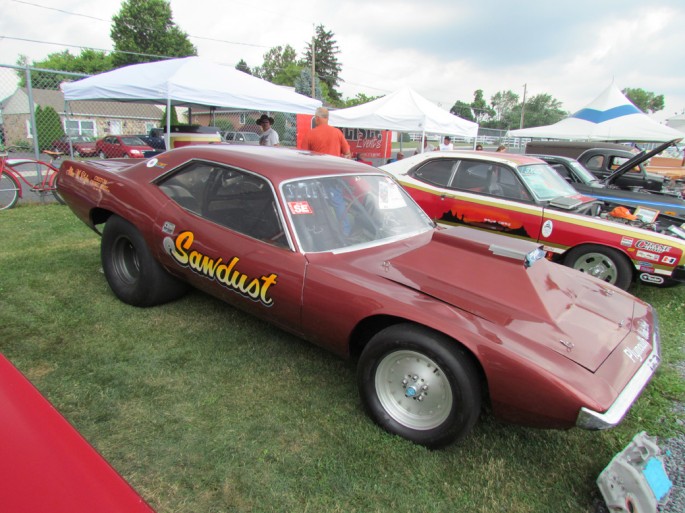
[132, 273]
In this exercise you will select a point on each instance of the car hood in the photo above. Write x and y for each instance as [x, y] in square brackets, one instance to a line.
[573, 314]
[636, 161]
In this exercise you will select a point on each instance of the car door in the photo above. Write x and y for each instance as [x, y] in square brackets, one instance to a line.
[480, 194]
[223, 231]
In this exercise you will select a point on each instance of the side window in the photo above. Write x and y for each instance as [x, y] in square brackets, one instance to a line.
[503, 183]
[472, 176]
[238, 200]
[563, 172]
[437, 171]
[595, 163]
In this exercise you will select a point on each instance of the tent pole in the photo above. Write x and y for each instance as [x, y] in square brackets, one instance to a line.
[168, 123]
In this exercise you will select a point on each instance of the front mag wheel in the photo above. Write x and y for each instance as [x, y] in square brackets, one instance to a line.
[419, 384]
[133, 274]
[9, 191]
[603, 263]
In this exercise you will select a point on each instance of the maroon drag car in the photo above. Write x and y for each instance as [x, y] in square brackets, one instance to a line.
[46, 465]
[440, 320]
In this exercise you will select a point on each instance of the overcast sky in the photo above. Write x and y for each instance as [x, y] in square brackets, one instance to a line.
[444, 49]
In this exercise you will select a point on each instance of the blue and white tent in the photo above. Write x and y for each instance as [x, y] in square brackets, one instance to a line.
[610, 117]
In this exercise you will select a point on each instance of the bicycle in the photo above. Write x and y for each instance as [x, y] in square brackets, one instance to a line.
[14, 171]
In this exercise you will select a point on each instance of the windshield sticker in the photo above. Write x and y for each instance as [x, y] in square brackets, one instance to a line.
[547, 228]
[390, 196]
[216, 269]
[300, 207]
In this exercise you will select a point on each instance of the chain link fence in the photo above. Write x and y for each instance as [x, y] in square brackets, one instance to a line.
[34, 117]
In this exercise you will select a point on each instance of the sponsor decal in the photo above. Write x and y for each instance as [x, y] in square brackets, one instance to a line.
[83, 177]
[223, 272]
[669, 260]
[300, 207]
[154, 162]
[635, 353]
[547, 228]
[651, 278]
[652, 246]
[168, 227]
[627, 241]
[645, 266]
[647, 256]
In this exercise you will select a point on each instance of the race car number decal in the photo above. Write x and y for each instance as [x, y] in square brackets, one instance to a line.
[300, 207]
[225, 273]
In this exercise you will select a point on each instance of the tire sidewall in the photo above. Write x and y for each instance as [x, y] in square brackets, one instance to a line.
[624, 269]
[153, 284]
[455, 364]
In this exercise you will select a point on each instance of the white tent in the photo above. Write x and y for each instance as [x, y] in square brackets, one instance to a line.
[609, 117]
[188, 81]
[403, 111]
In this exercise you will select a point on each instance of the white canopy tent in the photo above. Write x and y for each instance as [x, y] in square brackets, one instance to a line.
[609, 117]
[404, 111]
[188, 81]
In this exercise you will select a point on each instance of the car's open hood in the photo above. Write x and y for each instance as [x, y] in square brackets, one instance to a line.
[575, 315]
[636, 161]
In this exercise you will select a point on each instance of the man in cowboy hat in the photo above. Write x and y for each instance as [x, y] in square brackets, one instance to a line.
[269, 136]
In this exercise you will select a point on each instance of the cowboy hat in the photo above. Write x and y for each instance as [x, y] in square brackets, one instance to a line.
[265, 118]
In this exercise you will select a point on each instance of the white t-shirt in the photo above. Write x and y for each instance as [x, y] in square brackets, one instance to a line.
[269, 138]
[446, 147]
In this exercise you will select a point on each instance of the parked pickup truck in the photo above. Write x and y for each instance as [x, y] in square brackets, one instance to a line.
[154, 139]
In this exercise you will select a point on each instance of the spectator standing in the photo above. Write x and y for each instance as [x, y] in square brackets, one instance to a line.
[324, 138]
[426, 147]
[501, 148]
[269, 136]
[479, 147]
[447, 144]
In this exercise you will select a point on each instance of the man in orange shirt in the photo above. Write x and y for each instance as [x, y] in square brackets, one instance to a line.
[324, 138]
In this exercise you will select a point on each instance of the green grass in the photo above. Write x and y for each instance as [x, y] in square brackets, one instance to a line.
[204, 409]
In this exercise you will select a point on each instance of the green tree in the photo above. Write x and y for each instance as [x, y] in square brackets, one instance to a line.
[48, 127]
[327, 67]
[88, 61]
[463, 110]
[303, 85]
[173, 119]
[242, 66]
[542, 109]
[646, 101]
[360, 99]
[480, 108]
[502, 103]
[146, 27]
[276, 61]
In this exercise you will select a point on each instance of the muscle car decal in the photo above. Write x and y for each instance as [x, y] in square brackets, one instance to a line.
[83, 177]
[223, 272]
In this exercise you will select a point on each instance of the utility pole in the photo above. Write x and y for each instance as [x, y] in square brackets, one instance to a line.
[523, 105]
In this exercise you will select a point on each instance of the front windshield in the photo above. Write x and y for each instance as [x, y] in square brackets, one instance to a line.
[132, 141]
[582, 172]
[335, 212]
[544, 182]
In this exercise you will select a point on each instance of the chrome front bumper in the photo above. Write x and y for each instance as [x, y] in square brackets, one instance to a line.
[590, 419]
